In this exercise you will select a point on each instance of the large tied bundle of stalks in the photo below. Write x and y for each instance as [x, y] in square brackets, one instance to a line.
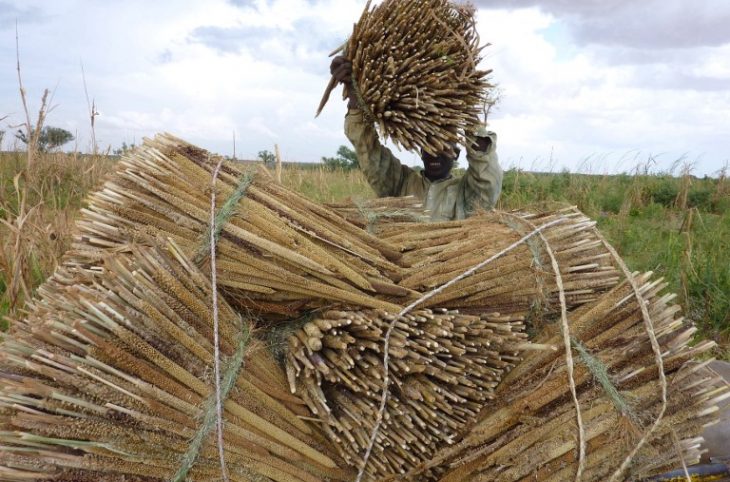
[530, 430]
[446, 366]
[112, 377]
[415, 71]
[517, 371]
[280, 253]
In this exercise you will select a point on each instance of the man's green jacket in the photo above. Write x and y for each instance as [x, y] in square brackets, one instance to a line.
[450, 198]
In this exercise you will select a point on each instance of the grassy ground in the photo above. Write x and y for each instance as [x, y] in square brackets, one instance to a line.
[677, 227]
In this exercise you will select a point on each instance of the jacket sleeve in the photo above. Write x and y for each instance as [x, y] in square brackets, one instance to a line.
[482, 183]
[384, 172]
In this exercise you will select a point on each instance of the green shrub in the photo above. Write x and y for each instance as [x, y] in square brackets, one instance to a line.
[664, 192]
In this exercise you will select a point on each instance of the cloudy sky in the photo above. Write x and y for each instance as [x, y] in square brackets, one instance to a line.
[592, 85]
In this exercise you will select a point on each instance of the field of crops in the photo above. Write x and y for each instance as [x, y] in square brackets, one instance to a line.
[678, 227]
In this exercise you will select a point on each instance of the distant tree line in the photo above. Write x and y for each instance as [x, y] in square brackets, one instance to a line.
[124, 149]
[345, 159]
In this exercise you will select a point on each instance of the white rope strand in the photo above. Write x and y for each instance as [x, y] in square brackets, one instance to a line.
[649, 326]
[216, 335]
[407, 309]
[569, 363]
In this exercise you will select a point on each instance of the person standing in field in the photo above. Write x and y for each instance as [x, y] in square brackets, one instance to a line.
[445, 196]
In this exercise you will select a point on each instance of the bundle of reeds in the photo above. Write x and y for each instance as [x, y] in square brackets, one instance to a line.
[370, 214]
[445, 367]
[281, 254]
[278, 252]
[529, 431]
[415, 71]
[521, 281]
[111, 379]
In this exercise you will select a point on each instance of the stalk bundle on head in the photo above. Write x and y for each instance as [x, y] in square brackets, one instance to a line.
[415, 71]
[445, 367]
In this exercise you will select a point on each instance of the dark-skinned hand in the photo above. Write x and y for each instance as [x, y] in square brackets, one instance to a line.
[482, 144]
[341, 70]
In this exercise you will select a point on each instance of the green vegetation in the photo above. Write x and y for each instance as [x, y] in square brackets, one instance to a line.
[37, 211]
[678, 227]
[267, 157]
[346, 159]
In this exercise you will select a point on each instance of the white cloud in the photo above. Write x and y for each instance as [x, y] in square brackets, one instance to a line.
[652, 24]
[558, 110]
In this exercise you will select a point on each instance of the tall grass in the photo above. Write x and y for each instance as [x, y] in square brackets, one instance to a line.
[325, 185]
[38, 206]
[678, 227]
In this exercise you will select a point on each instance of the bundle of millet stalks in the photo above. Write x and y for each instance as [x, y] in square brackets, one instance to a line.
[445, 369]
[530, 431]
[415, 72]
[280, 253]
[110, 376]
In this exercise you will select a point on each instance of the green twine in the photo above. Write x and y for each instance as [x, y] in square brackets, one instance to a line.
[277, 336]
[600, 373]
[372, 218]
[223, 215]
[209, 408]
[236, 361]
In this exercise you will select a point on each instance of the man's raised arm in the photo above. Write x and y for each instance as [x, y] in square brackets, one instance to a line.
[384, 172]
[482, 183]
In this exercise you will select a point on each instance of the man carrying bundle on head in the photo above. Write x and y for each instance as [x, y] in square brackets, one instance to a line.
[445, 196]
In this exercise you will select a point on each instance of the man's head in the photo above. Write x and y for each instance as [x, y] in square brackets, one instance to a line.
[437, 167]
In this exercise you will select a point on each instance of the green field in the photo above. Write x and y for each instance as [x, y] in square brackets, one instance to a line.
[678, 227]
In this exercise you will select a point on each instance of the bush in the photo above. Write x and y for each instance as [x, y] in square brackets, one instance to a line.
[50, 138]
[345, 160]
[701, 199]
[664, 192]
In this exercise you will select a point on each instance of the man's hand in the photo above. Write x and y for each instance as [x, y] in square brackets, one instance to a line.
[341, 70]
[482, 141]
[482, 144]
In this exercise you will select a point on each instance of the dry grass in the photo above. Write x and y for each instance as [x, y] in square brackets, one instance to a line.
[37, 211]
